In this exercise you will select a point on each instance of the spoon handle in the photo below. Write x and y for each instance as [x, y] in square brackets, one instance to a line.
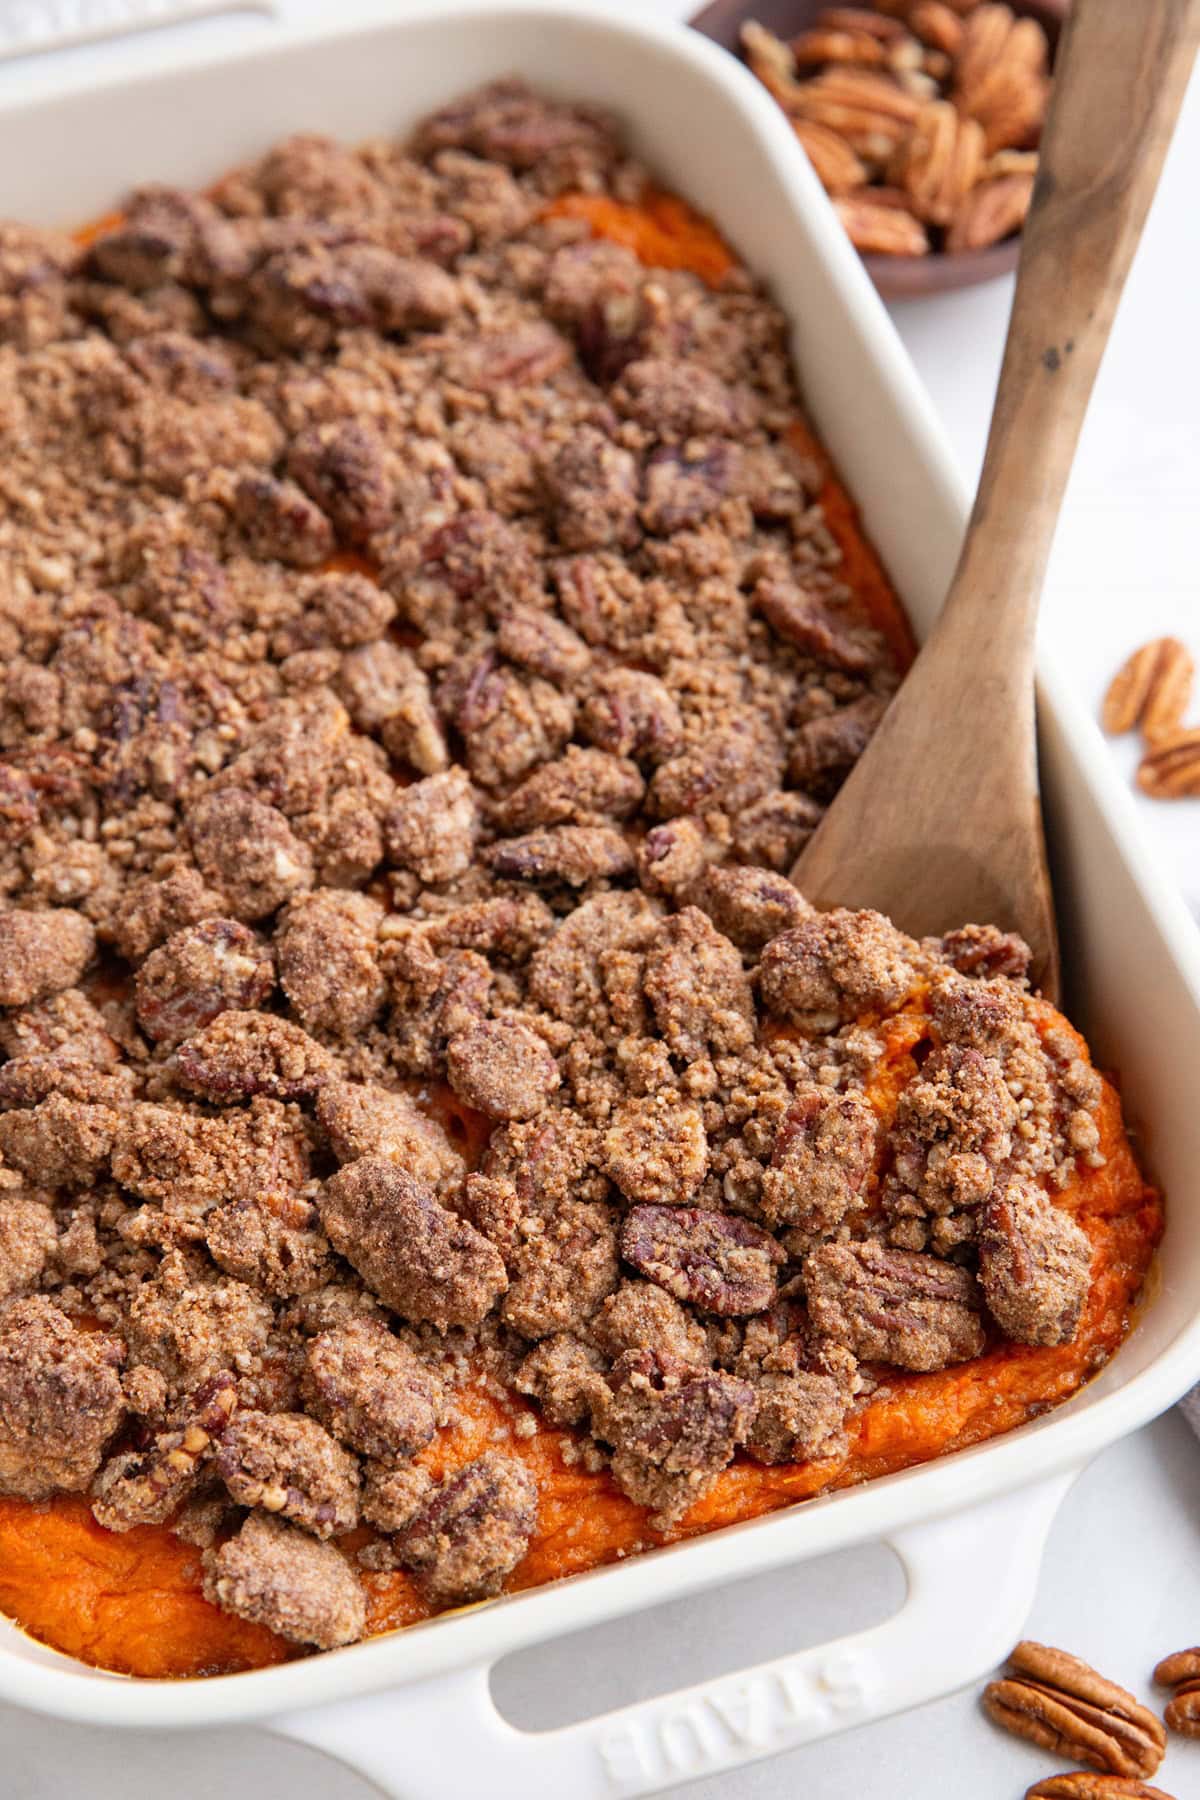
[1122, 69]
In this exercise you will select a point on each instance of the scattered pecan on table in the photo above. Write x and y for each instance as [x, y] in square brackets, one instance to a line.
[1082, 1784]
[1151, 691]
[921, 118]
[1182, 1672]
[1057, 1701]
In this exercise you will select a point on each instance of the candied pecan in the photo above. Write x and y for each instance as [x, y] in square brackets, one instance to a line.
[954, 1129]
[510, 723]
[473, 1530]
[145, 1486]
[343, 468]
[342, 609]
[673, 1428]
[61, 1142]
[278, 520]
[27, 1237]
[328, 965]
[592, 486]
[698, 989]
[836, 966]
[567, 976]
[432, 827]
[60, 1400]
[364, 1120]
[153, 910]
[673, 858]
[984, 951]
[279, 1576]
[510, 926]
[715, 1261]
[894, 1306]
[199, 972]
[26, 1080]
[750, 906]
[642, 1316]
[302, 297]
[246, 1053]
[685, 483]
[288, 1464]
[823, 1156]
[189, 1326]
[543, 644]
[249, 851]
[561, 1269]
[814, 628]
[272, 1241]
[735, 764]
[656, 1149]
[581, 788]
[501, 1067]
[422, 1261]
[597, 289]
[677, 399]
[190, 1163]
[42, 952]
[392, 1496]
[504, 122]
[548, 1159]
[1035, 1265]
[481, 557]
[1058, 1702]
[825, 749]
[632, 714]
[575, 854]
[371, 1390]
[563, 1376]
[802, 1396]
[384, 691]
[516, 356]
[434, 998]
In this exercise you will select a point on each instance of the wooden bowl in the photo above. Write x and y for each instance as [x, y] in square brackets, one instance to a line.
[896, 277]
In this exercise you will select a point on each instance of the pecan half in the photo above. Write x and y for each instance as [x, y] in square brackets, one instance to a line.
[1182, 1672]
[839, 169]
[881, 230]
[1151, 689]
[993, 210]
[712, 1260]
[870, 110]
[1058, 1701]
[1082, 1785]
[1000, 75]
[1171, 769]
[938, 163]
[894, 1306]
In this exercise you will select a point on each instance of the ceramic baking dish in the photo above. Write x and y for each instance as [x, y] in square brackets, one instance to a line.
[413, 1711]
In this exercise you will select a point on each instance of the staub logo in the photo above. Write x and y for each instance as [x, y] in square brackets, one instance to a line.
[718, 1725]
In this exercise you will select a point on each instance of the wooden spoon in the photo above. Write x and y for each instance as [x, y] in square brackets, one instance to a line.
[940, 822]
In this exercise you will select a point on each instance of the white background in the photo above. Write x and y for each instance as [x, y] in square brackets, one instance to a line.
[1121, 1582]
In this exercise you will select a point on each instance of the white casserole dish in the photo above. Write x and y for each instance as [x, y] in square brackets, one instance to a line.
[413, 1711]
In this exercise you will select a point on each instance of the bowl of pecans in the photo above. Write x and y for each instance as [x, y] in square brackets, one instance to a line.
[921, 119]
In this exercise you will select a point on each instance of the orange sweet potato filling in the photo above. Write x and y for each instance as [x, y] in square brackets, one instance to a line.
[133, 1602]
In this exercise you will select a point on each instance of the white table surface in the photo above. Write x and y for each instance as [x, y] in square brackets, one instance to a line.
[1121, 1580]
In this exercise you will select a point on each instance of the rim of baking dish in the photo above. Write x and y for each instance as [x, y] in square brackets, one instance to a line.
[44, 1680]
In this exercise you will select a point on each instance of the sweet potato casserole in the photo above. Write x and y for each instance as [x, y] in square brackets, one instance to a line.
[441, 1149]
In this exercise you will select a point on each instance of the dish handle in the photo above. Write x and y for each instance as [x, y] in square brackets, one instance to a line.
[971, 1581]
